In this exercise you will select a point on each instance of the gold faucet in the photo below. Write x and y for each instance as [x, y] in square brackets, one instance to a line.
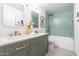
[15, 33]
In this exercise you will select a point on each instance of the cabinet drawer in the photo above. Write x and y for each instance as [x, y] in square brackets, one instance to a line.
[15, 48]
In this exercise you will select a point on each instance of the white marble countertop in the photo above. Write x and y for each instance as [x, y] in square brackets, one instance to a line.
[9, 40]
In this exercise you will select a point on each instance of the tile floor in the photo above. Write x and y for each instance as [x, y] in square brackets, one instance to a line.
[55, 51]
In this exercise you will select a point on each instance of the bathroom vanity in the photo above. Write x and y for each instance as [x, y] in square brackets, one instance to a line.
[31, 45]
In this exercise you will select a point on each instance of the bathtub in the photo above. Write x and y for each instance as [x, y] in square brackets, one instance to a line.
[62, 42]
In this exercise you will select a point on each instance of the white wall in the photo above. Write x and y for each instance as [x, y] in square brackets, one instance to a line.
[62, 42]
[27, 15]
[76, 28]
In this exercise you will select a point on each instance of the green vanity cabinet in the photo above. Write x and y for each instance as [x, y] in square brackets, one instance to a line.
[36, 46]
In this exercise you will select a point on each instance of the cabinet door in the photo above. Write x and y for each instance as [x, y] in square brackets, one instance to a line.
[2, 51]
[34, 47]
[10, 49]
[43, 45]
[39, 46]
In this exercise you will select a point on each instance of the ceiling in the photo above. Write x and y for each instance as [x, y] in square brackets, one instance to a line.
[51, 8]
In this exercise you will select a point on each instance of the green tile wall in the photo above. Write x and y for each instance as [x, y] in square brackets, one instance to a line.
[47, 23]
[61, 23]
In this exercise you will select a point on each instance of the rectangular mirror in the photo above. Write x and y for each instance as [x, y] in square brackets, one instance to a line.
[13, 14]
[35, 19]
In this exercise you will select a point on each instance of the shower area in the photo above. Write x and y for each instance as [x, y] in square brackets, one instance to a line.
[60, 27]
